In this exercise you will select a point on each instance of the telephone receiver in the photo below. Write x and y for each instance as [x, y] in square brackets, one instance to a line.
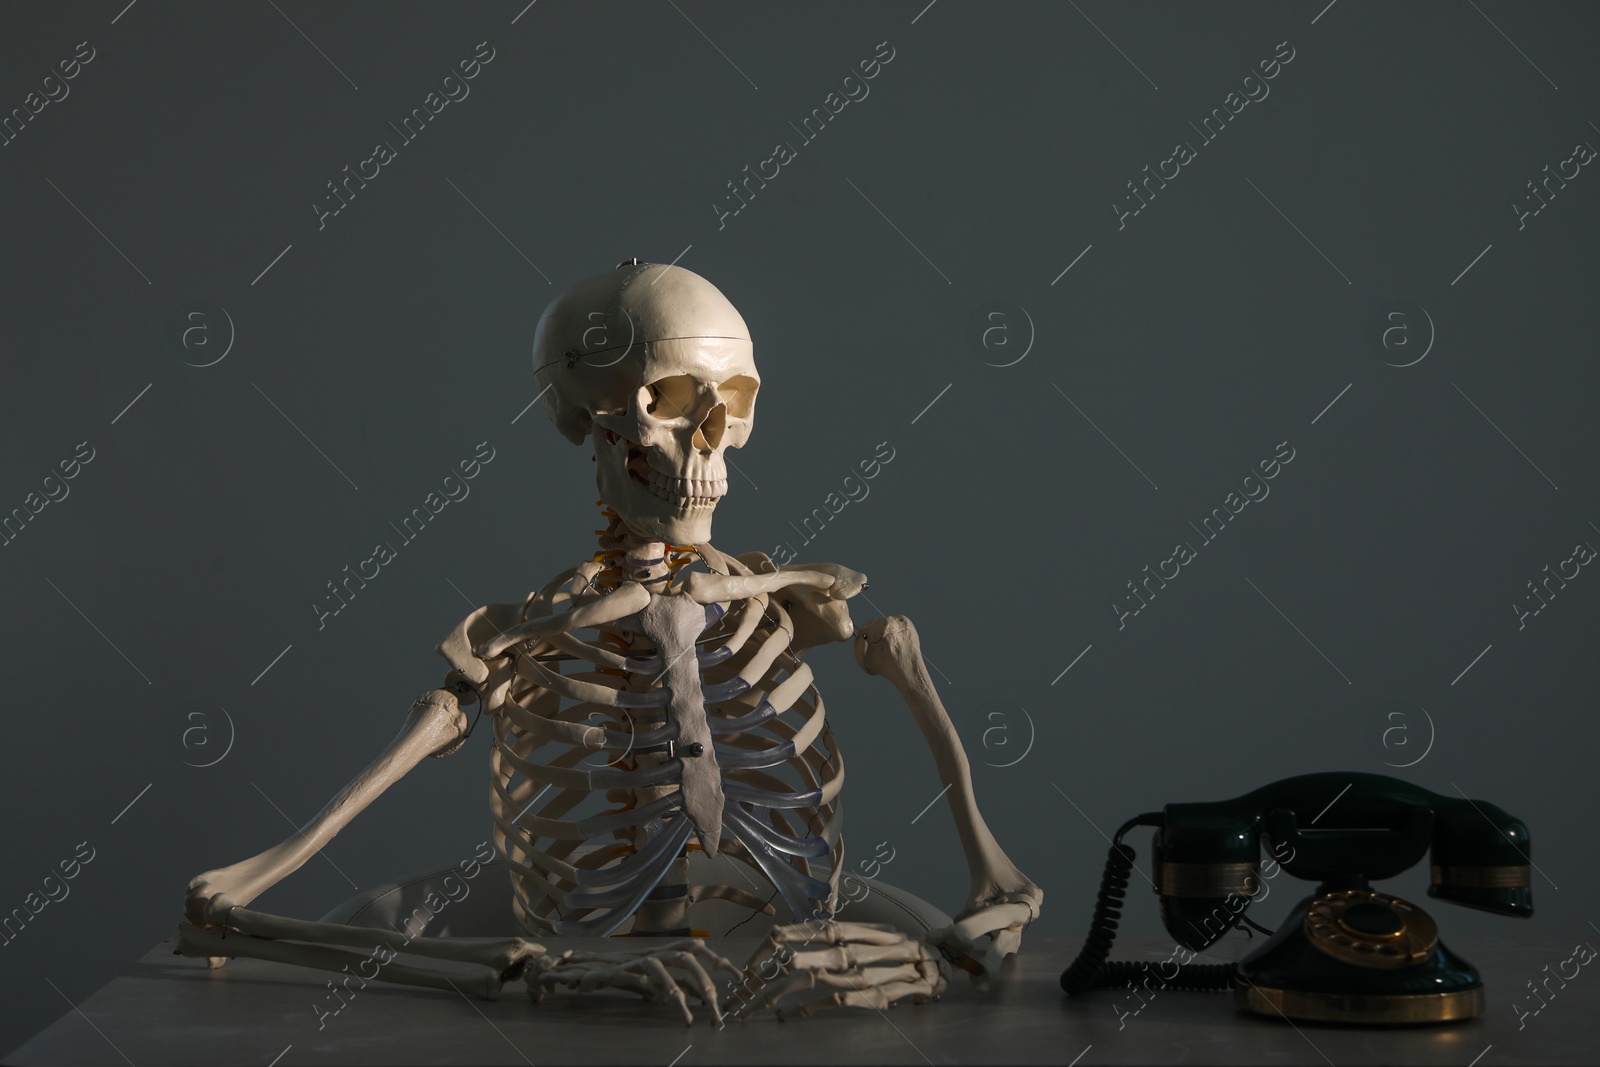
[1348, 953]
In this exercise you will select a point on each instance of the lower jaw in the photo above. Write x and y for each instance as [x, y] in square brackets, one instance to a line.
[657, 518]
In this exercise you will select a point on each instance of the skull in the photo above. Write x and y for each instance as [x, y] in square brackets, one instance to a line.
[655, 365]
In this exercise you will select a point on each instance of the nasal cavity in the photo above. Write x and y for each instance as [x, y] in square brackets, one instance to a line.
[708, 437]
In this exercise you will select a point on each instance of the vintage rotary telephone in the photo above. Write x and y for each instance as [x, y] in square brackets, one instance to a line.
[1348, 953]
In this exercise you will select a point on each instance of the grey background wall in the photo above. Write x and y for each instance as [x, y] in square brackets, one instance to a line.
[1361, 616]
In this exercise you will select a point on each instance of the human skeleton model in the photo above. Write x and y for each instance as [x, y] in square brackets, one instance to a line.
[654, 710]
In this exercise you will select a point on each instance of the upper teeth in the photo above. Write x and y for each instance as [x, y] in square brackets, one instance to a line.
[687, 492]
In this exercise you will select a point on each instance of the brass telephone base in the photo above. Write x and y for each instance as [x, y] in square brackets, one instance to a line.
[1381, 1009]
[1356, 956]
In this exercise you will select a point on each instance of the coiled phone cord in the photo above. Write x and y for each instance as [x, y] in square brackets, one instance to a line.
[1091, 970]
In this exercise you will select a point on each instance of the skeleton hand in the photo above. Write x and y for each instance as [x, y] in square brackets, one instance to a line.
[871, 966]
[650, 974]
[982, 937]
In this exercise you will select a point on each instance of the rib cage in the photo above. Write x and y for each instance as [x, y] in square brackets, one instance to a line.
[586, 800]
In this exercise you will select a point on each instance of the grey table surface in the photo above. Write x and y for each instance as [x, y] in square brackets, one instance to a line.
[171, 1010]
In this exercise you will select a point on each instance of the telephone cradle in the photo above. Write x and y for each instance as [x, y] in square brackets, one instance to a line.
[1346, 954]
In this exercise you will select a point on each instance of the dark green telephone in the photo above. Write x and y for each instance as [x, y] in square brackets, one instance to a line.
[1347, 953]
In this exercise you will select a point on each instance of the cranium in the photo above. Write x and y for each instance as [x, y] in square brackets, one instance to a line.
[655, 365]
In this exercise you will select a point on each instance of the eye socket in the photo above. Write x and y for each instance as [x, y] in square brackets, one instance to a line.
[672, 398]
[739, 394]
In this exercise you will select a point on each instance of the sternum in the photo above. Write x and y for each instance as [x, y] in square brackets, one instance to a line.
[672, 623]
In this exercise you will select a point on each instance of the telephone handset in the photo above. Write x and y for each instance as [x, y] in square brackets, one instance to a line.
[1348, 953]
